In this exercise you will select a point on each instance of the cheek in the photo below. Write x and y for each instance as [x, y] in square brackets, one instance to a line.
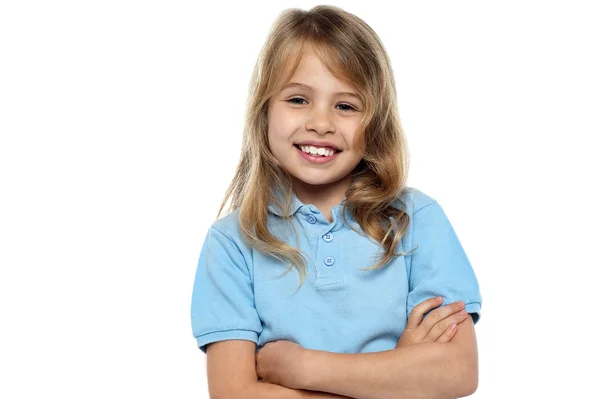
[273, 130]
[283, 117]
[281, 126]
[356, 140]
[274, 137]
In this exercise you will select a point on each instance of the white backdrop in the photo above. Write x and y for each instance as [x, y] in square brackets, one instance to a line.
[120, 128]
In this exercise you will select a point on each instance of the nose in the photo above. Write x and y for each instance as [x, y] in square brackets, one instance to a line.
[320, 121]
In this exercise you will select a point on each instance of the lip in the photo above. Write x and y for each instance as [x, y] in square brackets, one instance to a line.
[318, 160]
[319, 144]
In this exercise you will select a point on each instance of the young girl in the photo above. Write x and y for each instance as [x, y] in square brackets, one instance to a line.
[327, 277]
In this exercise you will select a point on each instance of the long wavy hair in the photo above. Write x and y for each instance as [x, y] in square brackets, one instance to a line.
[352, 52]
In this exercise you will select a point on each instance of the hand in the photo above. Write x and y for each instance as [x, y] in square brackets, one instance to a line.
[281, 363]
[437, 326]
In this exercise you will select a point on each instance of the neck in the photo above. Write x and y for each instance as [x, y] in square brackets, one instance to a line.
[323, 196]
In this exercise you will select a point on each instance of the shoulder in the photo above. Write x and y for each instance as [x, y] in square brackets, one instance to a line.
[229, 227]
[228, 224]
[413, 200]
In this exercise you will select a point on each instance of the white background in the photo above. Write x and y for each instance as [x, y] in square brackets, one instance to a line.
[121, 125]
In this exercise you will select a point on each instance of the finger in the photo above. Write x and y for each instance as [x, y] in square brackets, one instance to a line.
[442, 326]
[440, 314]
[448, 334]
[416, 315]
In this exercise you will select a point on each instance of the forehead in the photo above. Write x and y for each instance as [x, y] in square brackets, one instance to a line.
[312, 74]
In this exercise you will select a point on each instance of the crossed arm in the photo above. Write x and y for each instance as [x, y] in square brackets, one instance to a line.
[426, 370]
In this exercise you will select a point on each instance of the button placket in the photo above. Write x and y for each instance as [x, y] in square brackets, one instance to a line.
[329, 276]
[328, 260]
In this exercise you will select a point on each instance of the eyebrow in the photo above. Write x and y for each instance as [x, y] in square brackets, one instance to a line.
[309, 88]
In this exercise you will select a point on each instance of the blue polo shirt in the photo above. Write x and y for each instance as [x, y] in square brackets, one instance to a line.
[239, 293]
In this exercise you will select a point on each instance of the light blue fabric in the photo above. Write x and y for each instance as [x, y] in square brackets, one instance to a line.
[238, 292]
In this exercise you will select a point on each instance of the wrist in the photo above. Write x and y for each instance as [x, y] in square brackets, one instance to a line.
[306, 368]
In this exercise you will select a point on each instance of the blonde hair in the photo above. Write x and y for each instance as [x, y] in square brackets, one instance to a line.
[352, 51]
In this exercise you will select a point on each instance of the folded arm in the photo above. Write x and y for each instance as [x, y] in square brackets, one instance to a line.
[260, 390]
[232, 374]
[432, 370]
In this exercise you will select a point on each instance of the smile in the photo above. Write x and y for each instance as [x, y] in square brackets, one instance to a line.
[316, 159]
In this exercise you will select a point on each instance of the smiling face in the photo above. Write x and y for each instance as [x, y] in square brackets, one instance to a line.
[319, 111]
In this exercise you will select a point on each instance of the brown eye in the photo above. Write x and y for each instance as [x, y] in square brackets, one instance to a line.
[291, 100]
[349, 109]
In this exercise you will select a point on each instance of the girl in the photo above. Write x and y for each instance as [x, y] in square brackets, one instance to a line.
[284, 303]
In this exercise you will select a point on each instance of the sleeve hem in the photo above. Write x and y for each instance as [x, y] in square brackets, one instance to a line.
[205, 339]
[474, 308]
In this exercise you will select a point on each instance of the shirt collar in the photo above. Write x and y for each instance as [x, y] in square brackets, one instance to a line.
[297, 205]
[294, 206]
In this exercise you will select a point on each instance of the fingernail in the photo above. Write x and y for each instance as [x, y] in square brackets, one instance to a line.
[439, 298]
[463, 312]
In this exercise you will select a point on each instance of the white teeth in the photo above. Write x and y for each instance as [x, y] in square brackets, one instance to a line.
[317, 151]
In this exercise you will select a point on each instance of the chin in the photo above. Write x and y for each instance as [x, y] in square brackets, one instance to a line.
[315, 181]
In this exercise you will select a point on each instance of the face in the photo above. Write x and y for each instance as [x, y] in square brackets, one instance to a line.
[318, 114]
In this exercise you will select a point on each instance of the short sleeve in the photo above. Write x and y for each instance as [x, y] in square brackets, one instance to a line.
[222, 299]
[439, 266]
